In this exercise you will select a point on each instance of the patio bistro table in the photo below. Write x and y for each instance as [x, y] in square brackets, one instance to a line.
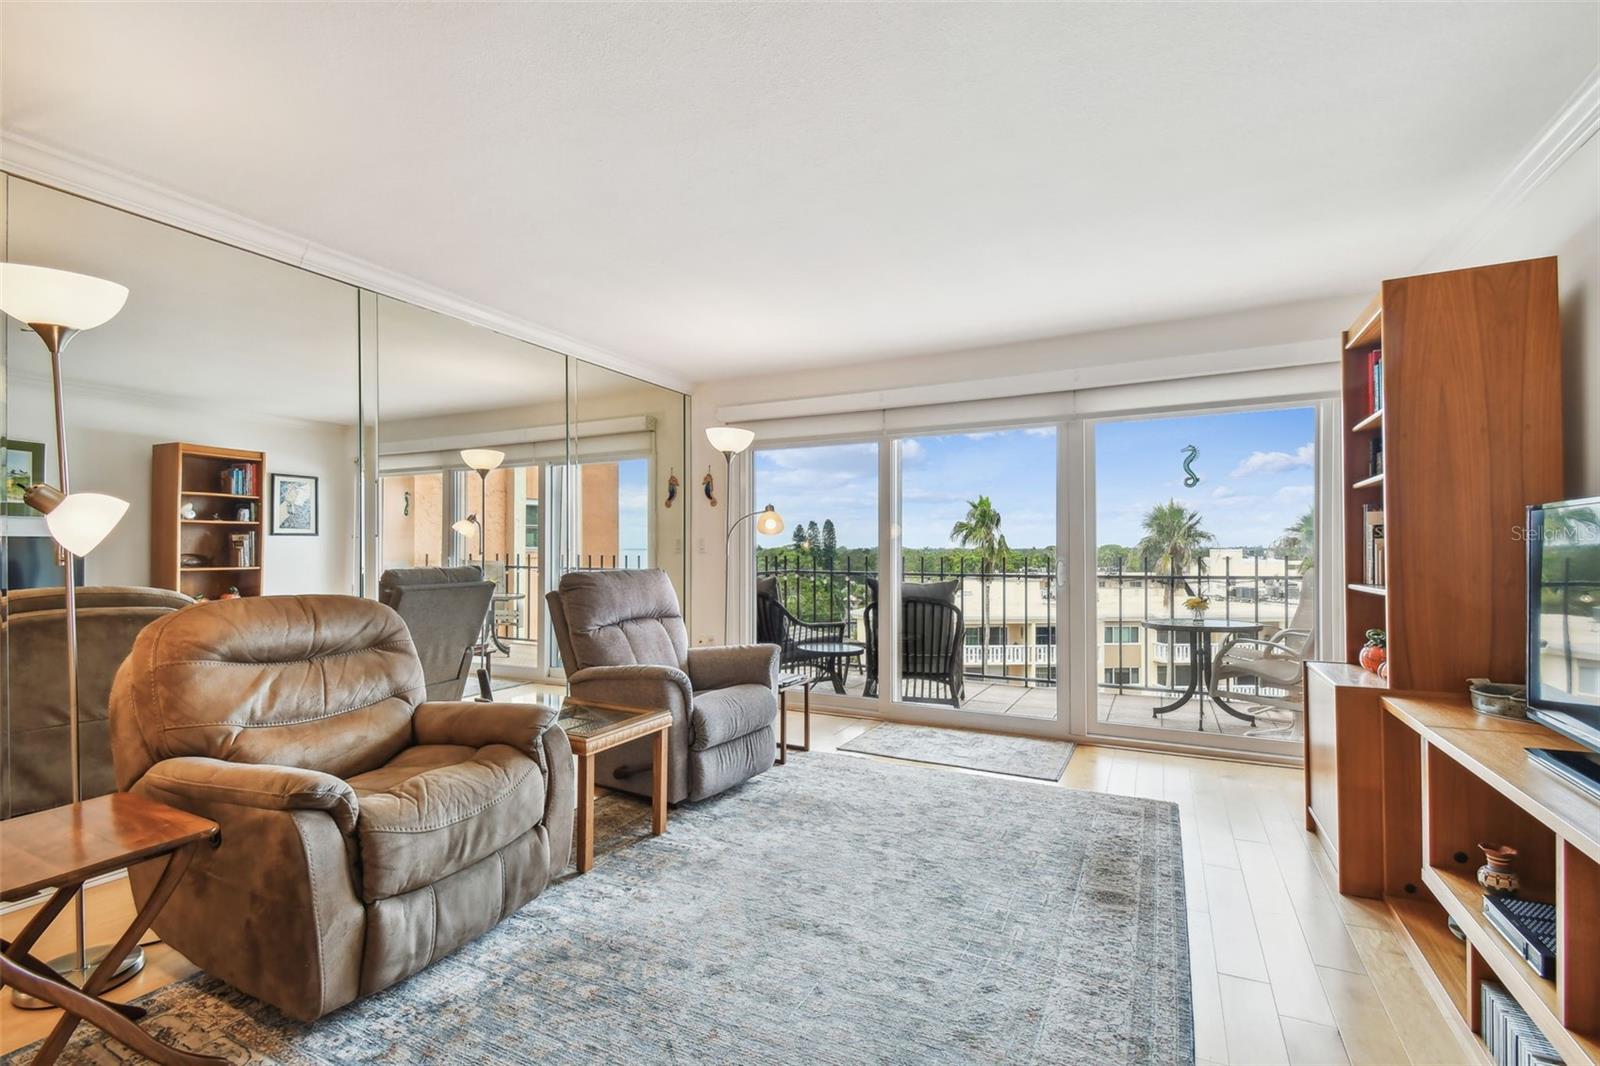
[1199, 631]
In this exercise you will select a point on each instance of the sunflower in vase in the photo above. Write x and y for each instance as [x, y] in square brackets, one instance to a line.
[1198, 605]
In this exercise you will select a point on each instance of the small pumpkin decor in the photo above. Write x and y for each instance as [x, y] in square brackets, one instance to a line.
[1375, 652]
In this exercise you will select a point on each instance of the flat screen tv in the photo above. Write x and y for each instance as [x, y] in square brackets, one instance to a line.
[31, 564]
[1564, 633]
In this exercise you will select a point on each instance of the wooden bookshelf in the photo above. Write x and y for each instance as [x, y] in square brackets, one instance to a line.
[1458, 777]
[1471, 429]
[182, 473]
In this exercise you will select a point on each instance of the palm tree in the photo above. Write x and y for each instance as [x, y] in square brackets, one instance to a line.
[1173, 539]
[1299, 541]
[980, 530]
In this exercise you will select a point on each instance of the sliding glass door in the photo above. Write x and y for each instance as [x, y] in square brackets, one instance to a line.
[1204, 576]
[978, 606]
[817, 582]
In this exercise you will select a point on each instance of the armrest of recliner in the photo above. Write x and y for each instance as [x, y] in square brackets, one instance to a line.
[739, 664]
[477, 725]
[258, 785]
[663, 687]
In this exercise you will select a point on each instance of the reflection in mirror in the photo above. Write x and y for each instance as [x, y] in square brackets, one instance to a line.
[220, 403]
[630, 491]
[446, 387]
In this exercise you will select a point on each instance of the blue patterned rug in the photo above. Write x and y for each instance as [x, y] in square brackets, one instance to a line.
[1044, 760]
[836, 910]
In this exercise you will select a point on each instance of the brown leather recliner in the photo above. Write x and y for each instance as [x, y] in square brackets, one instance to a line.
[365, 833]
[32, 659]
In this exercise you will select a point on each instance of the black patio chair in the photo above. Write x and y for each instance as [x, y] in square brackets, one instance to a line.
[931, 638]
[776, 624]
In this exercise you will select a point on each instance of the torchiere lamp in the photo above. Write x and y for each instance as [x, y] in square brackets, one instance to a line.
[730, 441]
[483, 460]
[57, 305]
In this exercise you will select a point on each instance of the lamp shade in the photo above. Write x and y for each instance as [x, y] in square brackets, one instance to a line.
[48, 297]
[81, 521]
[482, 460]
[467, 526]
[769, 523]
[729, 439]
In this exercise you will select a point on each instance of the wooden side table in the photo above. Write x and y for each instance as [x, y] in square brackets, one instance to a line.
[786, 682]
[61, 849]
[595, 727]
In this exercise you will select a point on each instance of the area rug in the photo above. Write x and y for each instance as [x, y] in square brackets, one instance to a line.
[835, 910]
[1017, 756]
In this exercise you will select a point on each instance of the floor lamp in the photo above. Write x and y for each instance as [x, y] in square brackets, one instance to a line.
[57, 305]
[483, 460]
[730, 441]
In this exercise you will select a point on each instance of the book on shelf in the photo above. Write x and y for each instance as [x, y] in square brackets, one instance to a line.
[1375, 380]
[1374, 456]
[243, 547]
[1374, 568]
[239, 479]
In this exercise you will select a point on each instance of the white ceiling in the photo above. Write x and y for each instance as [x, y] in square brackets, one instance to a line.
[717, 189]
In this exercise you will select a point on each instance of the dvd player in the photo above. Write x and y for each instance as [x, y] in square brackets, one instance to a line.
[1529, 926]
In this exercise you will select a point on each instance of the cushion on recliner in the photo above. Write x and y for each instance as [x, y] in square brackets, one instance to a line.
[724, 714]
[623, 618]
[438, 808]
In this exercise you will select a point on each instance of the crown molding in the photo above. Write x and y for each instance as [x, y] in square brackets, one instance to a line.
[1576, 122]
[34, 160]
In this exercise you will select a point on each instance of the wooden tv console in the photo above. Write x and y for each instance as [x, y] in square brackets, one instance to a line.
[1448, 778]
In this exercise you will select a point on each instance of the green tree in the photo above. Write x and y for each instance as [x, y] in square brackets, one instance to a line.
[1173, 538]
[1299, 540]
[814, 535]
[829, 543]
[800, 542]
[1111, 556]
[980, 531]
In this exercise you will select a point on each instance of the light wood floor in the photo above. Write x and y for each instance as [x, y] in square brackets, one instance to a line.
[1285, 969]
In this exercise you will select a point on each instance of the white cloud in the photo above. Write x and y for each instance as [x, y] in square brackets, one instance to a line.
[1275, 462]
[912, 451]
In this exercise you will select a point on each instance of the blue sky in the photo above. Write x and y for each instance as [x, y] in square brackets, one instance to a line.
[633, 506]
[1255, 468]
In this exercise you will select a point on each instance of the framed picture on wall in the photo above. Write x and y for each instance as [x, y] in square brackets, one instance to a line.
[294, 505]
[24, 461]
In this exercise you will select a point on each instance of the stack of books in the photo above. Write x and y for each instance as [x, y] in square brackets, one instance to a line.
[239, 479]
[1373, 564]
[1375, 380]
[1374, 456]
[243, 546]
[1512, 1037]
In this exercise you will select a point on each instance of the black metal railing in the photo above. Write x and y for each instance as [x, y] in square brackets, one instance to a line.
[1016, 643]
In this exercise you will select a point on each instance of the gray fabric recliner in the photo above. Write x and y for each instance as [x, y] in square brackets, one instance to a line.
[623, 640]
[444, 607]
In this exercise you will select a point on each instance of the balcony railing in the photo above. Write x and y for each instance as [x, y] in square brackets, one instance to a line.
[1023, 610]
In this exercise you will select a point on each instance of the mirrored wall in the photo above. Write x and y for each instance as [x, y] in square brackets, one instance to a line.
[277, 432]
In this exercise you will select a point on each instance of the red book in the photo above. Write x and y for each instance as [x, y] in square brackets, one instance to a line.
[1372, 368]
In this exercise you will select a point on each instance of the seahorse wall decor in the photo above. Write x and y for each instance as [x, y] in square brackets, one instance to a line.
[672, 487]
[1190, 454]
[710, 487]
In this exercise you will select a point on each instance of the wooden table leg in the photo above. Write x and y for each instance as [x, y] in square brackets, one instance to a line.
[101, 1015]
[658, 785]
[783, 726]
[585, 826]
[807, 715]
[177, 864]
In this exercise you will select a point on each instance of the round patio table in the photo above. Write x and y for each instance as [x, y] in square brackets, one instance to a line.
[1199, 632]
[841, 652]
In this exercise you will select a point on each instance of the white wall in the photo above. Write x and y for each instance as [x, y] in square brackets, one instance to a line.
[1560, 217]
[110, 437]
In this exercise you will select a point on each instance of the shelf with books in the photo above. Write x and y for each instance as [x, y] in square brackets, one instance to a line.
[207, 525]
[1369, 590]
[1371, 423]
[1371, 482]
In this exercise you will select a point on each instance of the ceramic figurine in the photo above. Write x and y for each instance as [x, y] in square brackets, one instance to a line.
[672, 487]
[187, 511]
[1496, 875]
[1375, 651]
[710, 487]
